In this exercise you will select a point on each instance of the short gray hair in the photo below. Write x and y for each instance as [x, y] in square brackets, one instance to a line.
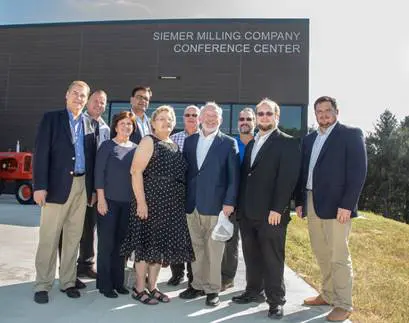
[213, 105]
[192, 106]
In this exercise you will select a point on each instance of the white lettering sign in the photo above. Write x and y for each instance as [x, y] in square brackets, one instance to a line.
[224, 42]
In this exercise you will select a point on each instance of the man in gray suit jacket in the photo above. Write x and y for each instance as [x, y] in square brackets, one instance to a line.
[212, 182]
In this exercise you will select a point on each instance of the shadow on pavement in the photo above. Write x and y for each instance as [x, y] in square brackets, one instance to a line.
[18, 306]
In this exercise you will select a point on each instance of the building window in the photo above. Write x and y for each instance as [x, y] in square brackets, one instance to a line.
[290, 118]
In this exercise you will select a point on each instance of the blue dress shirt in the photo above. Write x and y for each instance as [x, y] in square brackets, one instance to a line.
[77, 136]
[242, 147]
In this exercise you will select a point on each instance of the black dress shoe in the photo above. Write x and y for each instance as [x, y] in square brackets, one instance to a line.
[110, 294]
[122, 290]
[41, 297]
[90, 273]
[212, 299]
[275, 312]
[176, 279]
[191, 293]
[72, 292]
[79, 284]
[247, 297]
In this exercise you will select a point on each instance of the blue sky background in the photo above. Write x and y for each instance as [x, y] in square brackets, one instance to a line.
[359, 50]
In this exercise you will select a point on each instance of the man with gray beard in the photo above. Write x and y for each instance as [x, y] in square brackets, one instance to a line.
[212, 186]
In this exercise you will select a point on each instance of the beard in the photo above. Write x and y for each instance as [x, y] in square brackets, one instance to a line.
[265, 127]
[210, 129]
[245, 129]
[326, 124]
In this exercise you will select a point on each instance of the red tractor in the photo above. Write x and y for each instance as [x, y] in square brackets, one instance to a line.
[17, 167]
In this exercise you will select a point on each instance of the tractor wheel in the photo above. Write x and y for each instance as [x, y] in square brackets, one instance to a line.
[24, 192]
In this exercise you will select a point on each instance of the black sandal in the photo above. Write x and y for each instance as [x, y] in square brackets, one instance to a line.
[158, 295]
[149, 300]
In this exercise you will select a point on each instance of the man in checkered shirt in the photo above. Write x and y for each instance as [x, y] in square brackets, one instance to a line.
[191, 125]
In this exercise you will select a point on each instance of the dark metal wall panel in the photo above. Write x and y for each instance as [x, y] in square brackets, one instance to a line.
[37, 62]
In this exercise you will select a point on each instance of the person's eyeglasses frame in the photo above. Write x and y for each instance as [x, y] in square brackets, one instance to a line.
[267, 113]
[141, 97]
[188, 115]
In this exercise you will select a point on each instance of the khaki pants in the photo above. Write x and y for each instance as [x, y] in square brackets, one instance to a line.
[206, 268]
[329, 242]
[68, 217]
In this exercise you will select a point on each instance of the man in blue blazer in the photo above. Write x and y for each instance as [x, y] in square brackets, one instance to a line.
[63, 168]
[212, 186]
[333, 172]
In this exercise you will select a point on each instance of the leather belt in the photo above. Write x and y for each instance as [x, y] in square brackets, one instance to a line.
[78, 174]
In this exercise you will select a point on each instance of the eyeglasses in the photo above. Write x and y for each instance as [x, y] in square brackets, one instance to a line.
[187, 115]
[262, 114]
[141, 97]
[161, 119]
[245, 119]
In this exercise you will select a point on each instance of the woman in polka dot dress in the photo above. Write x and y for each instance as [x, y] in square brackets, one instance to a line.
[158, 231]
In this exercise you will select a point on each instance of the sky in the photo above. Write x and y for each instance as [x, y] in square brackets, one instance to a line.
[359, 50]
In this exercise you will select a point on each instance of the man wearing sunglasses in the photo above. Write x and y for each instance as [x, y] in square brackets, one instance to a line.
[141, 96]
[245, 125]
[269, 174]
[191, 126]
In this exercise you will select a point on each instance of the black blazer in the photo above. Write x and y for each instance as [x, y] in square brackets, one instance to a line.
[216, 183]
[339, 173]
[54, 156]
[135, 136]
[268, 184]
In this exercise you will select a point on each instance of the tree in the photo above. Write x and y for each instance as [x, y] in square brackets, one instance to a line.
[382, 144]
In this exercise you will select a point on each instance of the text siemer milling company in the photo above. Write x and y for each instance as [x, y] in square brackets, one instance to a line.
[259, 42]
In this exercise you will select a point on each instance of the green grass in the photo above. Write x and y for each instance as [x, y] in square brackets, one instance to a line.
[380, 256]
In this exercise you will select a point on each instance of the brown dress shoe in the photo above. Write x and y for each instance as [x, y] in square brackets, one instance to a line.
[315, 301]
[338, 315]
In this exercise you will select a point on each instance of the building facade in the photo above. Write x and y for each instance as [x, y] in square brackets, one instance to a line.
[235, 62]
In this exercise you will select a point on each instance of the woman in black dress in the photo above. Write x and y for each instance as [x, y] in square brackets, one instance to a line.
[158, 232]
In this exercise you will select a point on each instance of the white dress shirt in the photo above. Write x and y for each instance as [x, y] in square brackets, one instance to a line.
[316, 149]
[203, 146]
[259, 141]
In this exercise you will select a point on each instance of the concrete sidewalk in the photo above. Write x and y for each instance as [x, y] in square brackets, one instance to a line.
[18, 241]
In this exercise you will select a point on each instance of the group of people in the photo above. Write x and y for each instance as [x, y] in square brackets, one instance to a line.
[156, 196]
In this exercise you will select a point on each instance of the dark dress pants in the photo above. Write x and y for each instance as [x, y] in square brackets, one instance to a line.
[111, 229]
[264, 253]
[87, 253]
[179, 270]
[231, 254]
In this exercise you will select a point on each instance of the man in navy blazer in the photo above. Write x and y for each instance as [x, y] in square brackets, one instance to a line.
[333, 172]
[212, 186]
[63, 168]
